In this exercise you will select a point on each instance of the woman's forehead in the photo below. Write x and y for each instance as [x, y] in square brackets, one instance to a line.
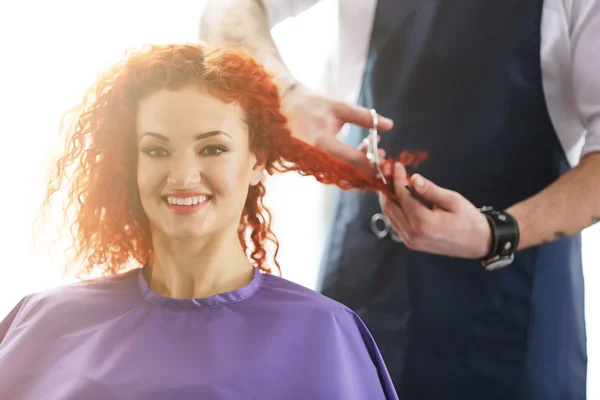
[188, 111]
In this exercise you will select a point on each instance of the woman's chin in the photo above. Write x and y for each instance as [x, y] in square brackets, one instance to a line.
[186, 235]
[193, 230]
[189, 233]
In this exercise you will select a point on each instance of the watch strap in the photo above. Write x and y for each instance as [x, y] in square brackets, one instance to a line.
[505, 233]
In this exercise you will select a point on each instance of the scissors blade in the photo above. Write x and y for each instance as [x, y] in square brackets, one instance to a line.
[372, 148]
[380, 174]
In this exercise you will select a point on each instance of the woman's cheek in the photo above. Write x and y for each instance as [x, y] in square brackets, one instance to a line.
[228, 176]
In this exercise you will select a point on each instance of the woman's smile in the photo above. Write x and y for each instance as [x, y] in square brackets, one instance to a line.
[186, 203]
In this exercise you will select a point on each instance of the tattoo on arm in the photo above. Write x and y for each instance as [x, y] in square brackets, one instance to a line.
[561, 235]
[244, 23]
[557, 236]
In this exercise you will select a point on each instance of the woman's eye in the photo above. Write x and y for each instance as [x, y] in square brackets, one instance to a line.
[212, 150]
[154, 152]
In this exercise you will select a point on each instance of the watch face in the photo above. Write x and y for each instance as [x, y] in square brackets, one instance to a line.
[500, 263]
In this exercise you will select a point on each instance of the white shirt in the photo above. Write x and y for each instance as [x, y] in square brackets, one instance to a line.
[570, 57]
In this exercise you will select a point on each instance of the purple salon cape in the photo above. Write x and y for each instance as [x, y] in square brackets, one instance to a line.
[114, 338]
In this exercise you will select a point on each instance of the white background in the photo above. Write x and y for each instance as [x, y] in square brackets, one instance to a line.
[50, 51]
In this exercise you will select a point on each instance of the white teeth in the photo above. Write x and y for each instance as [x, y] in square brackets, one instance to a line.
[186, 201]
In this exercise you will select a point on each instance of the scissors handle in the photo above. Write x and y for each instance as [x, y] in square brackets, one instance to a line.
[372, 148]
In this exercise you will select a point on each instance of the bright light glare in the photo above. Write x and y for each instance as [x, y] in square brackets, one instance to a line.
[51, 52]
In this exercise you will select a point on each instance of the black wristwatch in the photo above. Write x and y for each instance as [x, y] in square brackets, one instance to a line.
[505, 238]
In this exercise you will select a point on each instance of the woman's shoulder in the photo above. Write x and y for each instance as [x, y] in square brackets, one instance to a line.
[289, 295]
[94, 290]
[72, 301]
[110, 283]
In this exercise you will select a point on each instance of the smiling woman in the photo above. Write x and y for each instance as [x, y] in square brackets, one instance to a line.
[153, 120]
[164, 163]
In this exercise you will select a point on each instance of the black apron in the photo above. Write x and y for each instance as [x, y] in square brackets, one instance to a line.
[462, 80]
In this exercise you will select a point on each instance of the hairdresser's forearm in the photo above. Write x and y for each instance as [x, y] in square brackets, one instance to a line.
[244, 23]
[564, 208]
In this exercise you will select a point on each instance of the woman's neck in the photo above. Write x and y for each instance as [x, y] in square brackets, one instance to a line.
[197, 269]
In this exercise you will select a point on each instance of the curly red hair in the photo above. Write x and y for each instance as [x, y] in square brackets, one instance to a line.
[110, 227]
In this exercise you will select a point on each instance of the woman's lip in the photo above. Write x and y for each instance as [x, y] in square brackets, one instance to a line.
[186, 210]
[183, 195]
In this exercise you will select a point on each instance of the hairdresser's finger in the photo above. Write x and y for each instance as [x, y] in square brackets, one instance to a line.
[394, 214]
[363, 146]
[361, 116]
[345, 152]
[387, 169]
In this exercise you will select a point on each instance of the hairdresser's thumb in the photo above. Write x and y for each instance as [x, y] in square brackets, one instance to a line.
[435, 194]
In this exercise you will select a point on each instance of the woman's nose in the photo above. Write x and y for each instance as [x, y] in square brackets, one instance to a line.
[184, 174]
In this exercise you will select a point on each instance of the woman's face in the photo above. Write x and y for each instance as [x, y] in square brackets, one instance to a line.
[194, 164]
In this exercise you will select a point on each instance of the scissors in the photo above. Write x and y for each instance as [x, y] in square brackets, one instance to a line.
[373, 157]
[372, 149]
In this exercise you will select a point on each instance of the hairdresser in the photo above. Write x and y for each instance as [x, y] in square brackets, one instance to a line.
[494, 113]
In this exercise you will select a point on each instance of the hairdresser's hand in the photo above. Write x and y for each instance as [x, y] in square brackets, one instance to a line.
[317, 119]
[454, 227]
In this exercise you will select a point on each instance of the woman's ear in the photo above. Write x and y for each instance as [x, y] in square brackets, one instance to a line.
[258, 169]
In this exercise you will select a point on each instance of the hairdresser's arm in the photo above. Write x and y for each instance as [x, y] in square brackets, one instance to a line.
[313, 117]
[456, 228]
[246, 23]
[573, 201]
